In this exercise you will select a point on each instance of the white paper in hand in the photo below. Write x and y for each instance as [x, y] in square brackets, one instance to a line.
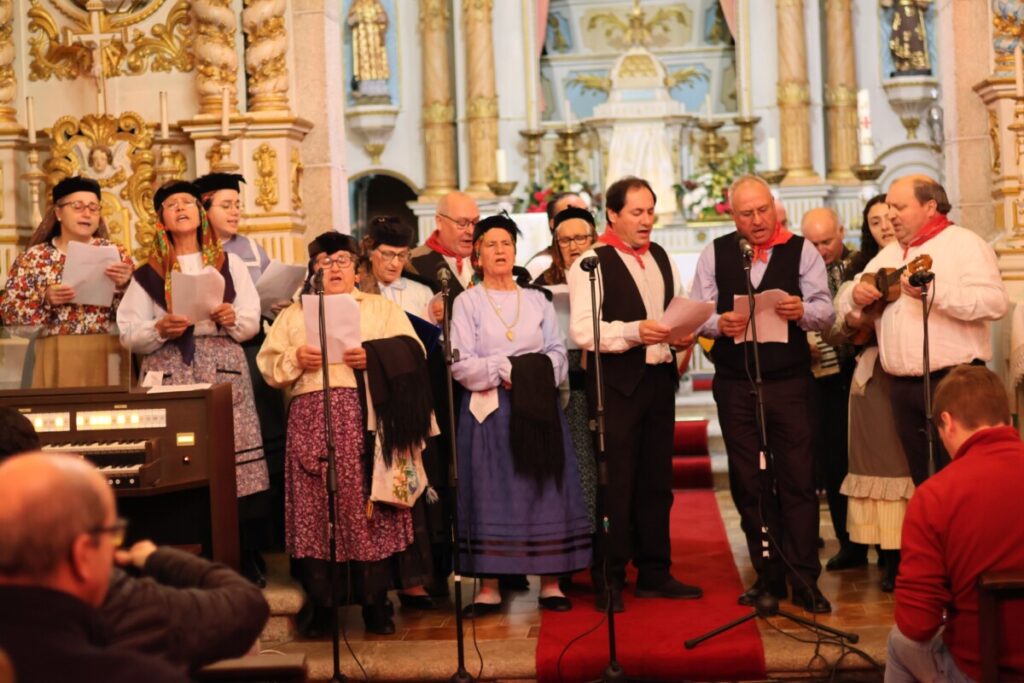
[684, 316]
[341, 313]
[83, 270]
[195, 296]
[770, 326]
[278, 283]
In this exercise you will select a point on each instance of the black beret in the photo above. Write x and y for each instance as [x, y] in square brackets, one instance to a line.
[75, 184]
[173, 187]
[331, 242]
[502, 220]
[211, 182]
[390, 231]
[573, 212]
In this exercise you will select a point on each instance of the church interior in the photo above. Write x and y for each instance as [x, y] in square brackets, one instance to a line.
[340, 112]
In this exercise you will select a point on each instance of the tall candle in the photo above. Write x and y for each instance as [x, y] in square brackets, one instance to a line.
[707, 106]
[866, 153]
[500, 163]
[863, 116]
[30, 114]
[225, 112]
[1018, 69]
[771, 154]
[567, 108]
[163, 115]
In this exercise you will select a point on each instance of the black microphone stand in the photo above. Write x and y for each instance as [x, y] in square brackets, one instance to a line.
[922, 279]
[451, 356]
[332, 482]
[767, 604]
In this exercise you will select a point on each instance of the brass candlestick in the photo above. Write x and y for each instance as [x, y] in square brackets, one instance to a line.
[747, 125]
[712, 145]
[165, 170]
[223, 164]
[568, 147]
[35, 177]
[773, 176]
[502, 189]
[868, 173]
[533, 138]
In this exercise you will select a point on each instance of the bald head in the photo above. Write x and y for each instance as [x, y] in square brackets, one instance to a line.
[457, 215]
[51, 507]
[825, 231]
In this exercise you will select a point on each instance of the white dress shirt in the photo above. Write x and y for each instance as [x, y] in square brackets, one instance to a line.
[618, 336]
[966, 294]
[413, 297]
[465, 276]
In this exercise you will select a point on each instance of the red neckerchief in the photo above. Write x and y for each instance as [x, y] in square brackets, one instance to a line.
[613, 240]
[928, 231]
[780, 236]
[434, 242]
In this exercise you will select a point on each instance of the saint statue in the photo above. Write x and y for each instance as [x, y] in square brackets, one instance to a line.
[369, 24]
[909, 41]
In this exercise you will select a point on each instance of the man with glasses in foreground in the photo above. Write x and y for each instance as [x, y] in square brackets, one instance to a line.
[58, 532]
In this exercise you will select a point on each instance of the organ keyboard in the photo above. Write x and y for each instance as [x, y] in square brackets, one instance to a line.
[168, 456]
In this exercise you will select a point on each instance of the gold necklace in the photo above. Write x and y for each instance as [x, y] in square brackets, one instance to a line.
[497, 312]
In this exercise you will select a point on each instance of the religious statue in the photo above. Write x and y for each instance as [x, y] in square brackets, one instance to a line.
[370, 72]
[909, 41]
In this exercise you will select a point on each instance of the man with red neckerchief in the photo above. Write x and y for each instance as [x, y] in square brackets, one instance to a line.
[965, 295]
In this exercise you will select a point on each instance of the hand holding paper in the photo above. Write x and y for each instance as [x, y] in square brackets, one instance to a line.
[85, 272]
[771, 327]
[685, 316]
[341, 314]
[278, 284]
[197, 296]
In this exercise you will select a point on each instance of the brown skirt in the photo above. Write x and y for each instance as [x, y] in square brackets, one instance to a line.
[80, 360]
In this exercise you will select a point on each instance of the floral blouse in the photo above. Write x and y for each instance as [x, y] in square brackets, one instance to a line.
[24, 298]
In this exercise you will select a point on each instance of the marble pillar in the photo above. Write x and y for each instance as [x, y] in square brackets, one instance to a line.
[481, 95]
[840, 92]
[793, 94]
[438, 103]
[215, 28]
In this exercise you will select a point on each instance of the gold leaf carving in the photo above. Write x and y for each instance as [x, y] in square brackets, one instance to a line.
[168, 45]
[591, 82]
[295, 175]
[266, 166]
[51, 57]
[439, 112]
[482, 108]
[636, 29]
[683, 76]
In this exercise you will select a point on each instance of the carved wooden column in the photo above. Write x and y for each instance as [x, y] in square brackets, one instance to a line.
[216, 59]
[438, 107]
[481, 96]
[266, 54]
[794, 96]
[10, 143]
[8, 80]
[840, 91]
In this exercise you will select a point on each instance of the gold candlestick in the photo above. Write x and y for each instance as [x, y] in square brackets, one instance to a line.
[567, 146]
[35, 177]
[868, 173]
[712, 145]
[773, 176]
[747, 125]
[533, 138]
[223, 163]
[502, 189]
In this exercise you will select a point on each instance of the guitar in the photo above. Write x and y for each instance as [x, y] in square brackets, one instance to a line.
[886, 281]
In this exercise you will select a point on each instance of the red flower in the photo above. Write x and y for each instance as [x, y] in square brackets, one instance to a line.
[722, 208]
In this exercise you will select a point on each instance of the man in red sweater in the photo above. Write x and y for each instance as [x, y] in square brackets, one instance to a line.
[962, 522]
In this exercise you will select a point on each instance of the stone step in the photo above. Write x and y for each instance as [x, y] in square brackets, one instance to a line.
[285, 597]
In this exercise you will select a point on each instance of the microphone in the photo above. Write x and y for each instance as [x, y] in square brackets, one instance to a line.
[444, 273]
[588, 264]
[921, 278]
[316, 281]
[746, 249]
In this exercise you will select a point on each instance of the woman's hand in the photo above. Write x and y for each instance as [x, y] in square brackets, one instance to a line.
[308, 358]
[223, 315]
[59, 294]
[355, 358]
[119, 272]
[172, 326]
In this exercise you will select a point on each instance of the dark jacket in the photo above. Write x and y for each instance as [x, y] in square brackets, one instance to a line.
[53, 636]
[185, 609]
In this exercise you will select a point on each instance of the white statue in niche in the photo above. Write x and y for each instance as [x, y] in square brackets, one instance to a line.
[101, 167]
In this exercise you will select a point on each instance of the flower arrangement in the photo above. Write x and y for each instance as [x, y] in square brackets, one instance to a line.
[705, 196]
[559, 179]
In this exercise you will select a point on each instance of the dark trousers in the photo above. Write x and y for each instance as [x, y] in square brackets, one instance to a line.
[638, 451]
[831, 445]
[791, 513]
[907, 398]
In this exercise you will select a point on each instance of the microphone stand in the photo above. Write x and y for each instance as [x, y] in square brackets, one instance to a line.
[922, 279]
[767, 604]
[332, 483]
[451, 356]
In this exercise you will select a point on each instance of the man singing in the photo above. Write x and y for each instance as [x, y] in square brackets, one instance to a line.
[780, 260]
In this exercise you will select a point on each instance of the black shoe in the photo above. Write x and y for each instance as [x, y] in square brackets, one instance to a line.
[671, 589]
[475, 610]
[438, 589]
[376, 619]
[848, 557]
[555, 603]
[776, 588]
[601, 603]
[251, 570]
[513, 582]
[313, 621]
[416, 601]
[811, 600]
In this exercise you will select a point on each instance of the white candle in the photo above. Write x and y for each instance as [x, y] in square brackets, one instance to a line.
[863, 116]
[866, 153]
[707, 106]
[744, 103]
[1018, 69]
[163, 115]
[30, 114]
[771, 154]
[567, 108]
[500, 162]
[225, 112]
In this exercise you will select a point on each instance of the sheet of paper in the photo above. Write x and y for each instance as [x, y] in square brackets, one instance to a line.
[278, 283]
[171, 388]
[195, 296]
[153, 378]
[83, 270]
[341, 313]
[560, 300]
[685, 315]
[770, 327]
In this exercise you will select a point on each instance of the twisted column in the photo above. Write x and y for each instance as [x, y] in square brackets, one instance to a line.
[216, 60]
[481, 96]
[793, 94]
[438, 109]
[8, 80]
[266, 54]
[840, 91]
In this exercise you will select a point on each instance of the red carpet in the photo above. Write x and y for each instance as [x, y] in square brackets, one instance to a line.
[651, 632]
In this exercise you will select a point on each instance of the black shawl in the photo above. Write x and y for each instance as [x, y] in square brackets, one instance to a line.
[536, 422]
[396, 371]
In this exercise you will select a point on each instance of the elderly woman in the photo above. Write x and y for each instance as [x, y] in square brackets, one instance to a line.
[178, 350]
[75, 347]
[372, 545]
[520, 481]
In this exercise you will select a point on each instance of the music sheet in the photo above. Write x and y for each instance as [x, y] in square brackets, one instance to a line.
[771, 328]
[195, 296]
[341, 313]
[83, 270]
[278, 283]
[684, 316]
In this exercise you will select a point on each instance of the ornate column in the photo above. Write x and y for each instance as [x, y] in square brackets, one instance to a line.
[438, 108]
[481, 96]
[266, 54]
[216, 59]
[10, 141]
[794, 96]
[8, 81]
[840, 92]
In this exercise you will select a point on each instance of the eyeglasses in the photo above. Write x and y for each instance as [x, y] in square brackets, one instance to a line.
[91, 207]
[343, 261]
[116, 530]
[578, 239]
[179, 204]
[389, 256]
[464, 223]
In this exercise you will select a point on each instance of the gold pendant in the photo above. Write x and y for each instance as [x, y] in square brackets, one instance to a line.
[508, 335]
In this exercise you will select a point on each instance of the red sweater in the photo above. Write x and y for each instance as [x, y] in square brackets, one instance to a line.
[966, 520]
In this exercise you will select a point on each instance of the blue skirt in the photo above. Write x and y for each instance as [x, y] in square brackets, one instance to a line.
[507, 523]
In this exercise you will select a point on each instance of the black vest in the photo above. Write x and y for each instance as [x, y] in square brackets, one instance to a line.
[778, 361]
[621, 300]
